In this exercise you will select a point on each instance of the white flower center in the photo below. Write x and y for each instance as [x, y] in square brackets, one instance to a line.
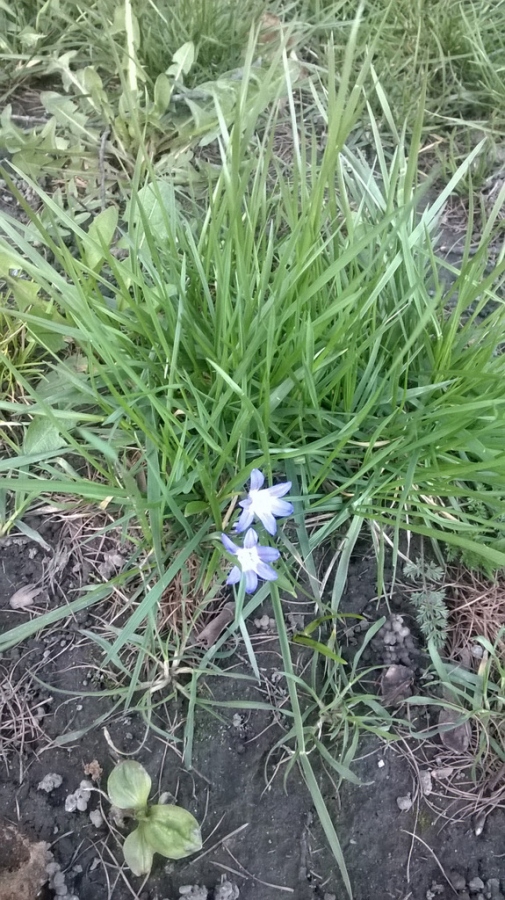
[248, 558]
[261, 501]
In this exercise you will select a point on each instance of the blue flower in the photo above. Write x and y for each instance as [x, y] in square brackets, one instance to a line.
[264, 504]
[252, 559]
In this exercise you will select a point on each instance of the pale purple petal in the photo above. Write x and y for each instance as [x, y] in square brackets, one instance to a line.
[234, 576]
[268, 521]
[251, 581]
[268, 554]
[266, 572]
[281, 508]
[278, 490]
[246, 518]
[257, 480]
[251, 539]
[228, 544]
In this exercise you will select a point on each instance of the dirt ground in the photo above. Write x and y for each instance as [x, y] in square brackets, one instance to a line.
[261, 836]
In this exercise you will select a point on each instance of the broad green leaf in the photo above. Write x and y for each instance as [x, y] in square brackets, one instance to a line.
[183, 59]
[129, 785]
[172, 831]
[101, 231]
[157, 203]
[25, 292]
[94, 85]
[43, 336]
[65, 111]
[138, 854]
[162, 93]
[9, 261]
[29, 38]
[42, 436]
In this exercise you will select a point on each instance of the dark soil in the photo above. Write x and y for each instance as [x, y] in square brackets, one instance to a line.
[259, 833]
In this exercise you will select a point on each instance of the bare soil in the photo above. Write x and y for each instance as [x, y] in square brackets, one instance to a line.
[260, 833]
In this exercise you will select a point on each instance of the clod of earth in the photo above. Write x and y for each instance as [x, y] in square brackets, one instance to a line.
[458, 737]
[396, 684]
[80, 798]
[50, 782]
[404, 803]
[22, 864]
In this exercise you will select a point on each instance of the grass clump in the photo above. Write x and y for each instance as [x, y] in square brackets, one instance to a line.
[300, 319]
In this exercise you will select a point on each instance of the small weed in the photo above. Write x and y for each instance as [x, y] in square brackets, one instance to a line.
[162, 828]
[470, 705]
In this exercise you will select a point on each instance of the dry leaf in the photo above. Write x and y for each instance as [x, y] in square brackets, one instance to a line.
[273, 31]
[94, 770]
[209, 635]
[458, 737]
[396, 684]
[480, 821]
[425, 782]
[112, 562]
[442, 772]
[24, 597]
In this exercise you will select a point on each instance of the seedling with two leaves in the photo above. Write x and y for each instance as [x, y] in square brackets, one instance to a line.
[166, 829]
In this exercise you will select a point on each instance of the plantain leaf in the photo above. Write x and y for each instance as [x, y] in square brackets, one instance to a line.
[137, 852]
[172, 831]
[129, 785]
[162, 93]
[101, 231]
[42, 436]
[183, 59]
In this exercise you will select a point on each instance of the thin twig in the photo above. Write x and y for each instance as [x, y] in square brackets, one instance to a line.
[435, 857]
[214, 846]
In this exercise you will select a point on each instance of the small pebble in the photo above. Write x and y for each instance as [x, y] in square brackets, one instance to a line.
[227, 890]
[458, 881]
[96, 818]
[404, 803]
[476, 885]
[493, 889]
[50, 782]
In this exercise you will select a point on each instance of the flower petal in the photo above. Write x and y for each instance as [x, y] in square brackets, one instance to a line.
[246, 519]
[257, 480]
[268, 554]
[267, 520]
[266, 572]
[278, 490]
[251, 581]
[229, 545]
[251, 539]
[281, 508]
[234, 576]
